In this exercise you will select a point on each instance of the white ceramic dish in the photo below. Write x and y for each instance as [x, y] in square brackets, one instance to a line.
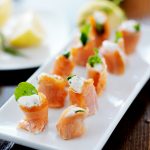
[34, 57]
[119, 94]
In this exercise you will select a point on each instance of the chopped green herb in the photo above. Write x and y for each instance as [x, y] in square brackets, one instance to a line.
[137, 27]
[66, 54]
[96, 50]
[24, 89]
[84, 33]
[79, 111]
[69, 77]
[95, 59]
[8, 49]
[99, 28]
[83, 38]
[118, 36]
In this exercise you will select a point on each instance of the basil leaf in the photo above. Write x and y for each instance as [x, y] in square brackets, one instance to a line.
[24, 89]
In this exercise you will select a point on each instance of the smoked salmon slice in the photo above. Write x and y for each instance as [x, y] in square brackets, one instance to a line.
[54, 88]
[97, 70]
[81, 54]
[36, 117]
[114, 57]
[63, 65]
[131, 34]
[82, 93]
[100, 27]
[130, 41]
[71, 122]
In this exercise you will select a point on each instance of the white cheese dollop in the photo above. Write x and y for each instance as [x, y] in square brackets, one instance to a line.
[99, 17]
[72, 110]
[110, 46]
[98, 67]
[129, 26]
[29, 101]
[76, 83]
[48, 75]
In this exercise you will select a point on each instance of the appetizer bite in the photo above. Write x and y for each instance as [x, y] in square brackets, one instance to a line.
[54, 88]
[63, 65]
[100, 29]
[97, 70]
[131, 34]
[114, 57]
[71, 122]
[114, 13]
[35, 107]
[82, 93]
[81, 54]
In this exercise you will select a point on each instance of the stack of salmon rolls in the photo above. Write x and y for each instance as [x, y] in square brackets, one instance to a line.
[99, 57]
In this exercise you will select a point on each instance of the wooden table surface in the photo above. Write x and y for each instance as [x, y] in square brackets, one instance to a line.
[132, 133]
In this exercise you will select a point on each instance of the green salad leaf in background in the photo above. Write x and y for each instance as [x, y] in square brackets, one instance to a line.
[6, 48]
[114, 13]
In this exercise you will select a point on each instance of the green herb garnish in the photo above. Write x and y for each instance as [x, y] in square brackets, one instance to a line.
[84, 33]
[69, 77]
[79, 111]
[95, 59]
[137, 27]
[25, 89]
[117, 2]
[66, 54]
[100, 28]
[96, 50]
[118, 36]
[6, 48]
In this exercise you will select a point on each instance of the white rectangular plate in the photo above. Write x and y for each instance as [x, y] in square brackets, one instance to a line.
[119, 94]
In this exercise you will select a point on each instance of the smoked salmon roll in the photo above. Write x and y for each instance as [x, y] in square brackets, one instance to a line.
[63, 65]
[85, 48]
[100, 28]
[54, 88]
[34, 106]
[82, 93]
[114, 57]
[131, 34]
[71, 122]
[81, 54]
[97, 70]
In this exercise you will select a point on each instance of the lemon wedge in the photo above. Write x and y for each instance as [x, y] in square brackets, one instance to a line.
[5, 11]
[27, 31]
[115, 13]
